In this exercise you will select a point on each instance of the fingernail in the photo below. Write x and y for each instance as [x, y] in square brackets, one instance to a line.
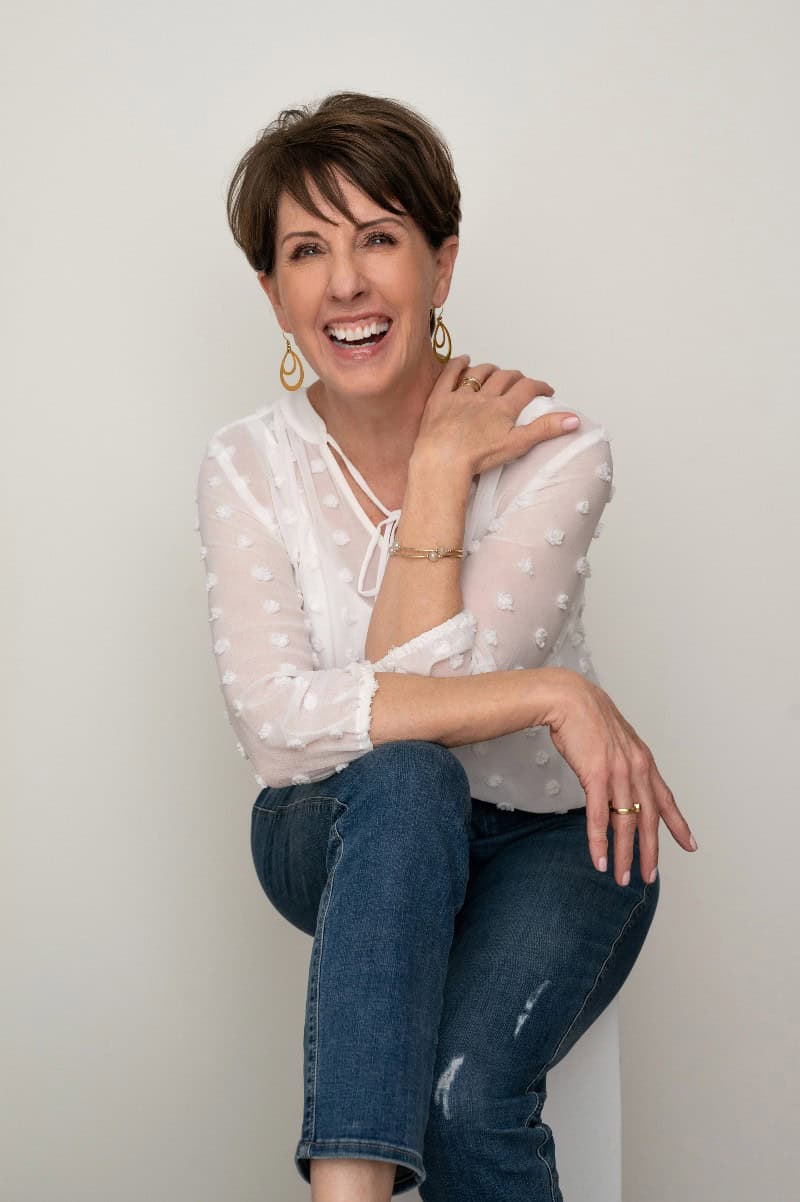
[602, 863]
[693, 842]
[570, 423]
[653, 876]
[626, 880]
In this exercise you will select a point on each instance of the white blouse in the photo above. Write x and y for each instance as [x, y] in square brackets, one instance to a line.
[293, 564]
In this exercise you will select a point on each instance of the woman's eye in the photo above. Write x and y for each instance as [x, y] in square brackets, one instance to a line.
[386, 237]
[298, 251]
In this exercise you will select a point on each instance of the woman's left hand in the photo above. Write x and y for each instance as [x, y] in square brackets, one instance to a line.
[613, 764]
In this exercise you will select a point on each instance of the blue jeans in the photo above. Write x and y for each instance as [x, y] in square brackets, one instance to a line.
[459, 952]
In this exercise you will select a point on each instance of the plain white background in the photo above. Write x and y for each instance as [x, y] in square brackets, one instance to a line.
[630, 186]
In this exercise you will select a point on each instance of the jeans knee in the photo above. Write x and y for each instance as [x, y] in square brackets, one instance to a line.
[423, 768]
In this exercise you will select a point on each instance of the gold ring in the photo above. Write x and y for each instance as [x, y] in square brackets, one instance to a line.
[634, 809]
[474, 384]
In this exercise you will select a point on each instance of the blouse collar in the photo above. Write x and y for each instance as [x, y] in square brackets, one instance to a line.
[303, 417]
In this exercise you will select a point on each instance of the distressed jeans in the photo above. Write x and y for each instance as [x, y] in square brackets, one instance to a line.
[459, 952]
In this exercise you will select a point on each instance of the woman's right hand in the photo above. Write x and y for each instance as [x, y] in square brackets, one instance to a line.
[613, 764]
[477, 429]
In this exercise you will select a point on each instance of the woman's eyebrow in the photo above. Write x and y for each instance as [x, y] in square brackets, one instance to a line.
[360, 225]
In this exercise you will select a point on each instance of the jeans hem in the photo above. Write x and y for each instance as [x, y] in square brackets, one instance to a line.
[410, 1172]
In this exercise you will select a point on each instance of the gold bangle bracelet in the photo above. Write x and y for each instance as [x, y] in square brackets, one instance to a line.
[431, 553]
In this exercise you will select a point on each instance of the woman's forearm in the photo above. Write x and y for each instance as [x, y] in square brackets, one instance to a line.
[417, 594]
[457, 710]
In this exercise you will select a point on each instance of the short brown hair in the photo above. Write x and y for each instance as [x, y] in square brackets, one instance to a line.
[383, 147]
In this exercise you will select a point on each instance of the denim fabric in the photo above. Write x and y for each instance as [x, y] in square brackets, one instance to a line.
[459, 952]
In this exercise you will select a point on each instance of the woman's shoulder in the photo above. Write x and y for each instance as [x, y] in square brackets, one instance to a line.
[591, 441]
[574, 456]
[590, 423]
[248, 426]
[244, 454]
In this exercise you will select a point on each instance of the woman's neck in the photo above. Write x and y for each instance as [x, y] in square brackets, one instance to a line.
[380, 428]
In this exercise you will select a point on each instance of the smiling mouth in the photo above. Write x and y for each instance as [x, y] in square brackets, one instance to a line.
[367, 340]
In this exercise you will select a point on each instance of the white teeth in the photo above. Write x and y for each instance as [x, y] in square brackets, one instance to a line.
[355, 333]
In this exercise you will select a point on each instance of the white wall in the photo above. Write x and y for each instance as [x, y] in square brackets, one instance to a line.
[630, 190]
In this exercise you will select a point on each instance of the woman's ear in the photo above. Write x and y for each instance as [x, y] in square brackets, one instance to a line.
[271, 289]
[445, 261]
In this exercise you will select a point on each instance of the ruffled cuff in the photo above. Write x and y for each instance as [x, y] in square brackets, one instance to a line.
[364, 672]
[455, 636]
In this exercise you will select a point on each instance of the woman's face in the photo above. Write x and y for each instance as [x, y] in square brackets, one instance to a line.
[332, 280]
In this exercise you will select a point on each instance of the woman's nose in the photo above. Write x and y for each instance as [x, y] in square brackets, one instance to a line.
[345, 279]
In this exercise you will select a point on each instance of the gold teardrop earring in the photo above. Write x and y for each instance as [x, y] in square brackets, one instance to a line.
[441, 338]
[294, 365]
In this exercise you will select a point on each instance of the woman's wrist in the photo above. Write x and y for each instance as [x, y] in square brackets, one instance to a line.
[430, 462]
[434, 507]
[549, 693]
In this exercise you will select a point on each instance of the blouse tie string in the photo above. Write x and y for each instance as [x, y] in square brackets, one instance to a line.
[381, 537]
[381, 534]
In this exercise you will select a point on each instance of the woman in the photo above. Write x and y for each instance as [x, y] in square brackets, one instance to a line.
[396, 562]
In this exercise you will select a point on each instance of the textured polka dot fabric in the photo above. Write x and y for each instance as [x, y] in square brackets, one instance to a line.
[292, 564]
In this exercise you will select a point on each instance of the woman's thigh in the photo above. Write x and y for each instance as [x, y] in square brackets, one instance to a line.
[541, 946]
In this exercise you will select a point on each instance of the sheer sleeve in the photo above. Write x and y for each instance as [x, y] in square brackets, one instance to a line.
[520, 579]
[294, 722]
